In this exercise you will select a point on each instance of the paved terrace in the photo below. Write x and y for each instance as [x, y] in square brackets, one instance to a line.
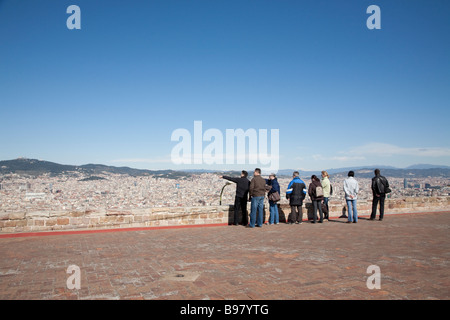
[307, 261]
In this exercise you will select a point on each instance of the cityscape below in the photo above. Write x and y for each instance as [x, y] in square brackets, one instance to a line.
[81, 191]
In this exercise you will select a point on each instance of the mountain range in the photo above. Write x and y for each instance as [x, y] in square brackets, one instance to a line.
[38, 167]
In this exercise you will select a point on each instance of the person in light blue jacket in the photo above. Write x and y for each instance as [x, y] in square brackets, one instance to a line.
[351, 189]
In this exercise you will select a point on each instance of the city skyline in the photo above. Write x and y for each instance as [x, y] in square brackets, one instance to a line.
[122, 192]
[114, 91]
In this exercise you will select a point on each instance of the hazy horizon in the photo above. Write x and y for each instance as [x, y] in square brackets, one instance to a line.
[250, 169]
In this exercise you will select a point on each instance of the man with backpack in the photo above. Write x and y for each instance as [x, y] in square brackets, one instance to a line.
[380, 186]
[315, 192]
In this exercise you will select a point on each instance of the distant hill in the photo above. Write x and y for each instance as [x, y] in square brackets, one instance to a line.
[427, 166]
[34, 167]
[38, 167]
[416, 171]
[403, 173]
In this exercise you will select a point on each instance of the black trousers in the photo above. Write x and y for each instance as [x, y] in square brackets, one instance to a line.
[240, 203]
[375, 201]
[296, 214]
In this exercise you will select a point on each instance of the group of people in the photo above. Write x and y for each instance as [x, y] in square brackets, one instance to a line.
[319, 191]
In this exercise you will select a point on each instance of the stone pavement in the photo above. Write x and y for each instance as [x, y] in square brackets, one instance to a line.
[307, 261]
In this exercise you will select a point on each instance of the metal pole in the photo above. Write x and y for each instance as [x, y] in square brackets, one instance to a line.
[221, 192]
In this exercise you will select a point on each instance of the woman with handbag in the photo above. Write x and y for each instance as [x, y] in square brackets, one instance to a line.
[274, 197]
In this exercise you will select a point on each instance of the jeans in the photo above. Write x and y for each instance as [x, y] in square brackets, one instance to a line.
[325, 200]
[274, 216]
[352, 214]
[296, 214]
[257, 206]
[375, 201]
[317, 204]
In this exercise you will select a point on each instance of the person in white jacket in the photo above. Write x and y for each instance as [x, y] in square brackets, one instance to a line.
[351, 189]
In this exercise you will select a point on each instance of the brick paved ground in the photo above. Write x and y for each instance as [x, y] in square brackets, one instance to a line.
[308, 261]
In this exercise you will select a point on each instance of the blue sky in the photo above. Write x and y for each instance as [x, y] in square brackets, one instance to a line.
[114, 91]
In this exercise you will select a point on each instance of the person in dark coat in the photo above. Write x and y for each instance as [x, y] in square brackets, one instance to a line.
[241, 198]
[316, 199]
[273, 206]
[379, 187]
[296, 193]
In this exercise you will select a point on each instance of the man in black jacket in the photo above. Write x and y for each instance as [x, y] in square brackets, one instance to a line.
[241, 198]
[380, 187]
[296, 192]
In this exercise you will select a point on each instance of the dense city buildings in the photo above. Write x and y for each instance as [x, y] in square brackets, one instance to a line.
[69, 192]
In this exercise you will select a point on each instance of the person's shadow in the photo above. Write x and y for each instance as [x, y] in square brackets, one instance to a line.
[343, 215]
[283, 216]
[344, 212]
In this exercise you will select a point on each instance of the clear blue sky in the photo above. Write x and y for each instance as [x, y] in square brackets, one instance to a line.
[114, 91]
